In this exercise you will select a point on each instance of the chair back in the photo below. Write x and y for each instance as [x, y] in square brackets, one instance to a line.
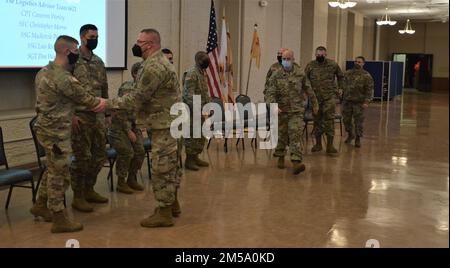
[40, 152]
[3, 160]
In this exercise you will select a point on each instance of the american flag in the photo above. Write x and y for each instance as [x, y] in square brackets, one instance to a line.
[213, 52]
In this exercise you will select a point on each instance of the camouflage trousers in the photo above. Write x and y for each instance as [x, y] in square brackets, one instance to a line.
[353, 112]
[290, 126]
[130, 156]
[166, 172]
[194, 146]
[56, 178]
[89, 150]
[324, 119]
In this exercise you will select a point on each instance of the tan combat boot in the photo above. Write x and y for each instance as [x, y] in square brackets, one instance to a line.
[93, 197]
[62, 224]
[200, 162]
[318, 146]
[190, 163]
[133, 183]
[330, 148]
[122, 187]
[79, 202]
[349, 138]
[161, 218]
[40, 209]
[280, 163]
[298, 167]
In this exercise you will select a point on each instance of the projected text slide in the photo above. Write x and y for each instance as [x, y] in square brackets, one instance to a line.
[30, 28]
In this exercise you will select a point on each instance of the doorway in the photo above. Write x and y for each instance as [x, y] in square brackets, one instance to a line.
[418, 71]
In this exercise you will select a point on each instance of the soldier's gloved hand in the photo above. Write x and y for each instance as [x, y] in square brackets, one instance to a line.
[132, 136]
[100, 107]
[75, 124]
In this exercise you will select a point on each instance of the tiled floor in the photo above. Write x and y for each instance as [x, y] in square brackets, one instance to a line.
[394, 189]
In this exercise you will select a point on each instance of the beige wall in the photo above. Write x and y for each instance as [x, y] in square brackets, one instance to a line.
[430, 38]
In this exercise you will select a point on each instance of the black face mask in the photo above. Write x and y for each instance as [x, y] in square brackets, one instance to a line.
[73, 58]
[280, 59]
[137, 51]
[92, 44]
[320, 59]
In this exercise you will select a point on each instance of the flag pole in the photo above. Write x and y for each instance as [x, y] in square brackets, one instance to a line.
[250, 66]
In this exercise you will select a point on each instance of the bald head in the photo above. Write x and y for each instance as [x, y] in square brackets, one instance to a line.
[64, 43]
[288, 54]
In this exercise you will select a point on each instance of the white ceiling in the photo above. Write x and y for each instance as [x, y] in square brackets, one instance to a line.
[401, 9]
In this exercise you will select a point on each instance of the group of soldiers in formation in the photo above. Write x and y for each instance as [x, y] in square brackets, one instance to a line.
[75, 118]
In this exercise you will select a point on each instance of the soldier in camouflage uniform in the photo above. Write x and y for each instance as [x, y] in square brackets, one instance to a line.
[194, 83]
[57, 93]
[287, 87]
[89, 137]
[275, 67]
[323, 73]
[157, 89]
[127, 140]
[358, 91]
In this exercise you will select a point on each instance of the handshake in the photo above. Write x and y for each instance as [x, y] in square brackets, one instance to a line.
[101, 106]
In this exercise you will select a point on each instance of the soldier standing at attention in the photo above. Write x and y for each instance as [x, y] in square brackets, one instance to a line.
[322, 73]
[287, 87]
[194, 83]
[157, 89]
[89, 137]
[358, 91]
[127, 140]
[57, 93]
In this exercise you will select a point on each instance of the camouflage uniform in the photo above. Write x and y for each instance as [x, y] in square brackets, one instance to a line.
[194, 83]
[358, 88]
[57, 94]
[275, 67]
[322, 77]
[89, 144]
[129, 155]
[288, 90]
[157, 89]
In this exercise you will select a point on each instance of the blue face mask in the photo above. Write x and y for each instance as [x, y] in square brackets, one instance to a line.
[287, 65]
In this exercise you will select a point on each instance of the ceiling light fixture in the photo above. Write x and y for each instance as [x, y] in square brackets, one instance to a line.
[408, 28]
[386, 20]
[342, 4]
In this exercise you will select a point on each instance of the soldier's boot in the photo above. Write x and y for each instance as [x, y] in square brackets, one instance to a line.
[161, 218]
[122, 187]
[349, 138]
[200, 163]
[318, 146]
[280, 163]
[190, 163]
[40, 209]
[93, 197]
[358, 142]
[133, 183]
[79, 202]
[176, 209]
[62, 224]
[330, 147]
[298, 167]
